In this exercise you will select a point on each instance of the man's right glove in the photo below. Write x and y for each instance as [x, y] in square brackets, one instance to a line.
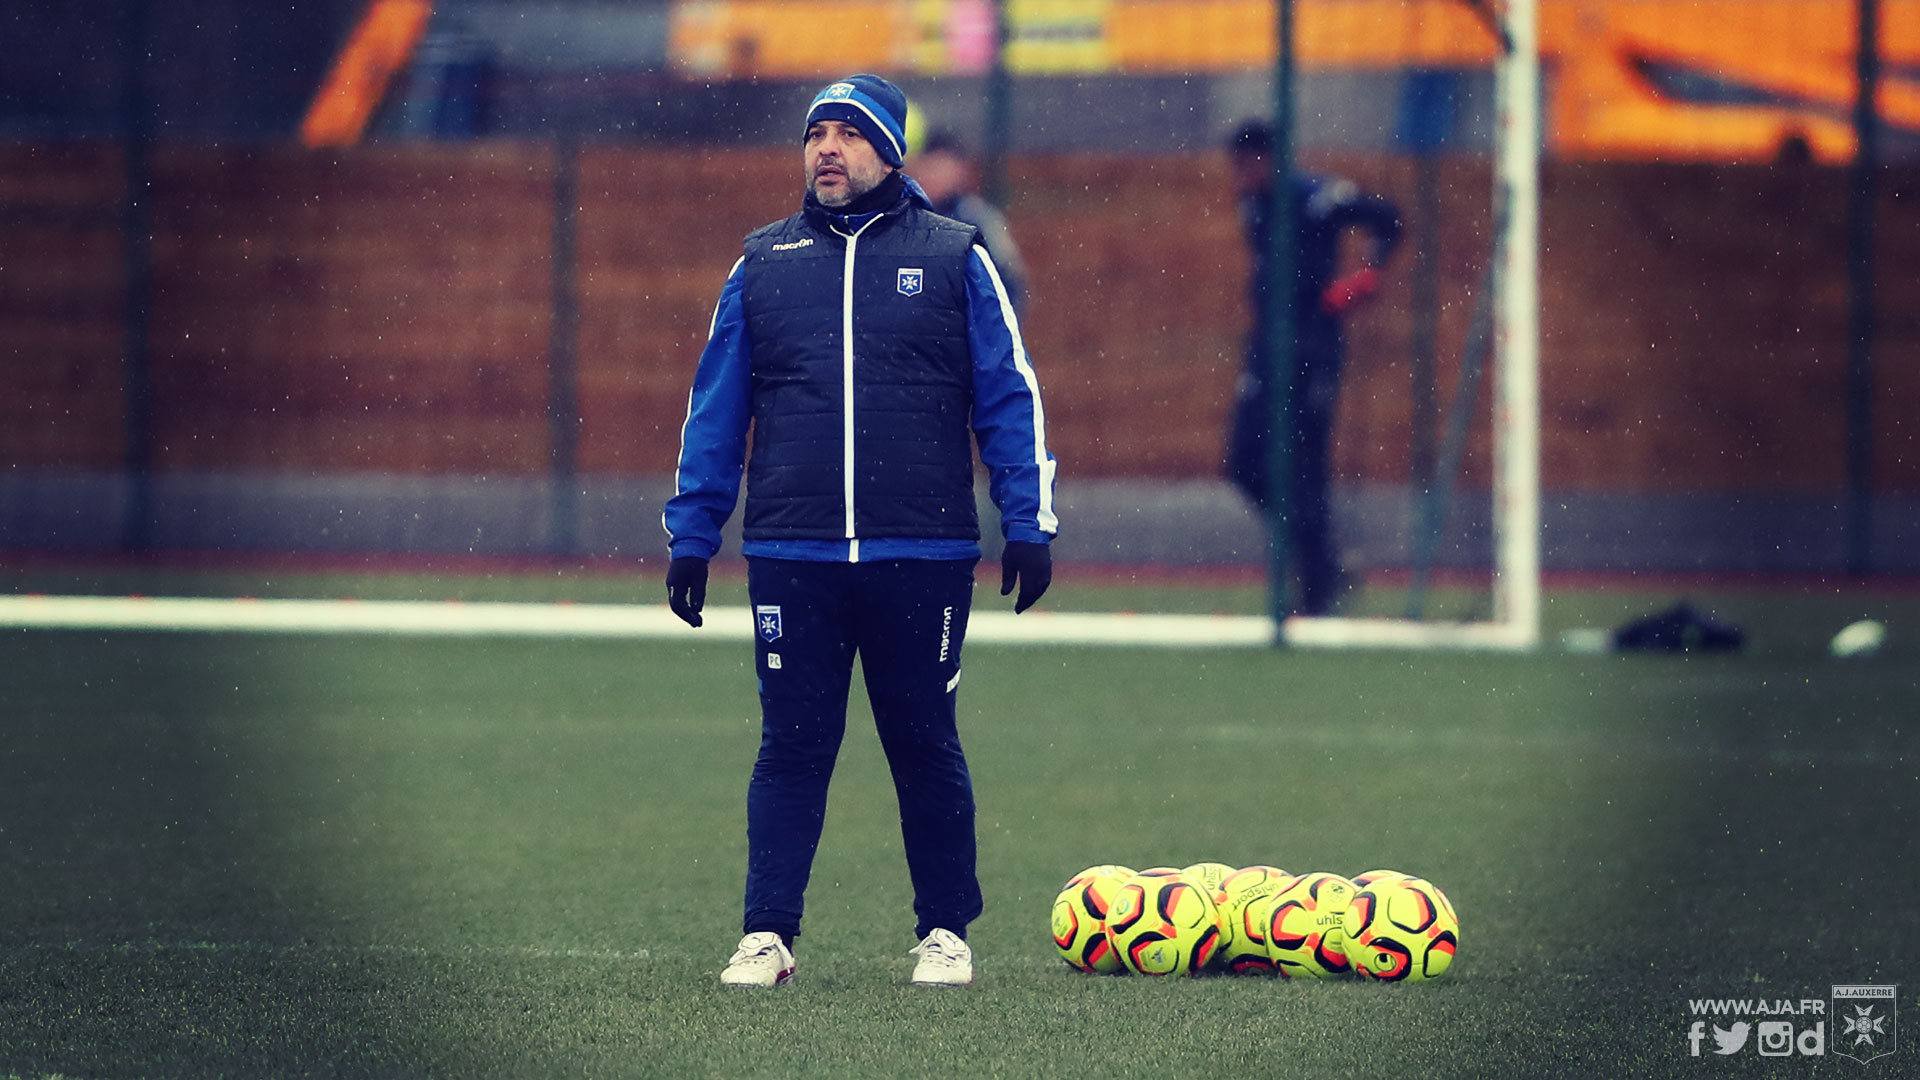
[1032, 565]
[1343, 295]
[687, 587]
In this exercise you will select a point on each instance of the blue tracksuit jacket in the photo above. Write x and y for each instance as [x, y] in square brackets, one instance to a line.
[878, 331]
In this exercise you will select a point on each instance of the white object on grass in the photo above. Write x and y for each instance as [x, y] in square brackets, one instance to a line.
[1587, 640]
[1862, 638]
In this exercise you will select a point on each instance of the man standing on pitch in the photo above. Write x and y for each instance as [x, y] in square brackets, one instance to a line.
[867, 342]
[1324, 208]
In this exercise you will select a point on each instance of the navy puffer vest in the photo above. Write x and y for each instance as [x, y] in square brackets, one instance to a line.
[900, 464]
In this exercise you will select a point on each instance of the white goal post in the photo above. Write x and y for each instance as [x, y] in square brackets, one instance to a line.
[1515, 625]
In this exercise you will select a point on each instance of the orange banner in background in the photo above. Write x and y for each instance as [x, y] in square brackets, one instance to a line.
[1788, 63]
[379, 48]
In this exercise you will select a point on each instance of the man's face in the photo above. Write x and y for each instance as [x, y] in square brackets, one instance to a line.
[841, 164]
[942, 175]
[1252, 173]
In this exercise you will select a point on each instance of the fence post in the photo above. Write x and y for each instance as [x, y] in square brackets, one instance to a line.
[1860, 287]
[136, 108]
[563, 397]
[1281, 344]
[998, 128]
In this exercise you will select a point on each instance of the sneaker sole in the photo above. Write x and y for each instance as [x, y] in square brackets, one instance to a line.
[779, 981]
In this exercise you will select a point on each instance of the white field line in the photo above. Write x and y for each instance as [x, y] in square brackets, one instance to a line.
[154, 946]
[1333, 632]
[491, 619]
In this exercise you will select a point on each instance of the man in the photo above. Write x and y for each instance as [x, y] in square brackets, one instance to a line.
[864, 340]
[1324, 208]
[946, 173]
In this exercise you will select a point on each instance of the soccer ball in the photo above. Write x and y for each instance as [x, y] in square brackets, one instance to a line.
[1306, 934]
[1371, 876]
[1160, 871]
[1209, 874]
[1163, 925]
[1245, 942]
[1079, 918]
[1249, 876]
[1401, 928]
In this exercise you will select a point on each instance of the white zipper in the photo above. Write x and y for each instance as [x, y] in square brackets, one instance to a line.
[846, 383]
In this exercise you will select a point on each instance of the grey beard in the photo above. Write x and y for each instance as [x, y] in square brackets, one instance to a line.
[842, 196]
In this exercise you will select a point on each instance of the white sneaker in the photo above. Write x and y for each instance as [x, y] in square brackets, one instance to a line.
[945, 960]
[761, 960]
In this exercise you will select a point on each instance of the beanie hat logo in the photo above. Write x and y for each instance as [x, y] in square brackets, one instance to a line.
[873, 105]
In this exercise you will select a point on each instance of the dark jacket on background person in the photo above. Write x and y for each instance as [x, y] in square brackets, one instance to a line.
[1324, 207]
[997, 235]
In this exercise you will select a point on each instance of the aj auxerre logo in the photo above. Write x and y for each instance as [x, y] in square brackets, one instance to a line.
[791, 244]
[1864, 1019]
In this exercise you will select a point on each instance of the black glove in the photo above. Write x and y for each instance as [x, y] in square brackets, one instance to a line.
[687, 587]
[1032, 565]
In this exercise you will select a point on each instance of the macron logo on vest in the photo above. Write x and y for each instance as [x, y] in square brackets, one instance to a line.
[794, 244]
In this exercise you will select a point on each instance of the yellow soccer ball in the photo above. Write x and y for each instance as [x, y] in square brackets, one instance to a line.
[1305, 925]
[1244, 949]
[1401, 929]
[1080, 917]
[1164, 925]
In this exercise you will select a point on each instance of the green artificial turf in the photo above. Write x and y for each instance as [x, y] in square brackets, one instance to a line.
[277, 855]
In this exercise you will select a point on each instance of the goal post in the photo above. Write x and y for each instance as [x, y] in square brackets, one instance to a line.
[1516, 418]
[1515, 622]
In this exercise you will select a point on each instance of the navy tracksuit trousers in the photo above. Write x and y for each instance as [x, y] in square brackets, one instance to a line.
[1317, 562]
[906, 618]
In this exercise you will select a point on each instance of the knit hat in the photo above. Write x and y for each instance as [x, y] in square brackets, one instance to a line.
[871, 104]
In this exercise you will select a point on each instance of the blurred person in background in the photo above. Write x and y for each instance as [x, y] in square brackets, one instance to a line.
[1324, 209]
[868, 343]
[946, 172]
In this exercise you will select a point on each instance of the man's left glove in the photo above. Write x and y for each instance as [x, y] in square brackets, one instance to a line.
[687, 587]
[1032, 565]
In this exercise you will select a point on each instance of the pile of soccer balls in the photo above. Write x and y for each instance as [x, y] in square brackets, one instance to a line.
[1381, 925]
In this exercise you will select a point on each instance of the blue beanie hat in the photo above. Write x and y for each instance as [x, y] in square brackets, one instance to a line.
[870, 103]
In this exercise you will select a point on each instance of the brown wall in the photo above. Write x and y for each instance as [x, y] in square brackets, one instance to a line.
[61, 305]
[388, 308]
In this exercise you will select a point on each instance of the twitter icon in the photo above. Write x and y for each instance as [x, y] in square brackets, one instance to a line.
[1730, 1041]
